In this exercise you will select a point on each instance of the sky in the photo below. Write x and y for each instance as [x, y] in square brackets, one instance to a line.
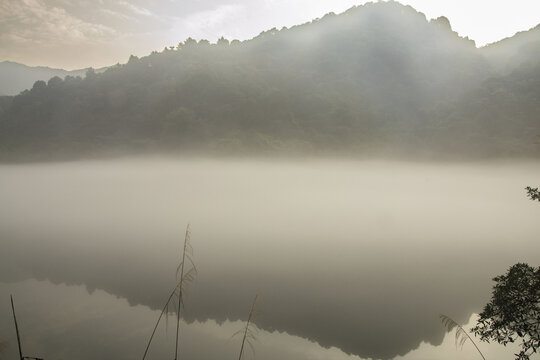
[74, 34]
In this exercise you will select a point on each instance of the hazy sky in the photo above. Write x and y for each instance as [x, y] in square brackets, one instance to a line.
[80, 33]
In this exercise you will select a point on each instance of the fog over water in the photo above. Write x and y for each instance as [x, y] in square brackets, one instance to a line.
[357, 256]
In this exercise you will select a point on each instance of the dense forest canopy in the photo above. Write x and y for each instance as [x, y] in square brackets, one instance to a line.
[378, 79]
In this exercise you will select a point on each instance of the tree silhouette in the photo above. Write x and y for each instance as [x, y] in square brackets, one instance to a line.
[222, 41]
[514, 310]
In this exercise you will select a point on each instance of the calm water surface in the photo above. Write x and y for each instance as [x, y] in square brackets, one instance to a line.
[350, 258]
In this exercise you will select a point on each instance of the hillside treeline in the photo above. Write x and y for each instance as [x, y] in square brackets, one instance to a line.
[378, 79]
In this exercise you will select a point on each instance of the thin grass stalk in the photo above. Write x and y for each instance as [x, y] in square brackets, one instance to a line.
[16, 328]
[247, 327]
[450, 324]
[157, 323]
[178, 290]
[186, 240]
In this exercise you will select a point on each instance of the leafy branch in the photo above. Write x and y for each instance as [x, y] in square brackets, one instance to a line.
[533, 193]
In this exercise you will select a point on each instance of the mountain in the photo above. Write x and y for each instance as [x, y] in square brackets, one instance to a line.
[15, 77]
[522, 49]
[378, 79]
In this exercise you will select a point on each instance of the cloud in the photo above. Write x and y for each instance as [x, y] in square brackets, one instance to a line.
[136, 9]
[33, 21]
[212, 21]
[77, 34]
[38, 32]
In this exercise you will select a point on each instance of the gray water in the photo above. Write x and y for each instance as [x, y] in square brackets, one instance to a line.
[349, 258]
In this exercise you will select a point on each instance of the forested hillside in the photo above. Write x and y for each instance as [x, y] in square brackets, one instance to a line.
[522, 49]
[378, 79]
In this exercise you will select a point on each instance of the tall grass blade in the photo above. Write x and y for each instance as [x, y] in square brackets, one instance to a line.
[16, 328]
[249, 331]
[164, 311]
[19, 336]
[185, 277]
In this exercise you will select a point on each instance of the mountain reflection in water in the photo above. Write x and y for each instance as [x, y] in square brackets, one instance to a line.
[63, 322]
[357, 256]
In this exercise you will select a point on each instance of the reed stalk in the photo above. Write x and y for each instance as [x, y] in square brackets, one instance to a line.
[184, 277]
[461, 335]
[249, 330]
[16, 328]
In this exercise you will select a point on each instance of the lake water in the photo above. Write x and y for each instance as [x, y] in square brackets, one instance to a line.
[351, 259]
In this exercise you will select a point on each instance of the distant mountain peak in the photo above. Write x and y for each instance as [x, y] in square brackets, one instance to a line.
[16, 77]
[376, 77]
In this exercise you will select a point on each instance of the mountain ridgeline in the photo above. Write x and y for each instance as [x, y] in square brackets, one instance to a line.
[376, 80]
[15, 77]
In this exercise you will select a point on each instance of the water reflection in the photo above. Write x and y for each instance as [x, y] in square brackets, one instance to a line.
[361, 256]
[66, 322]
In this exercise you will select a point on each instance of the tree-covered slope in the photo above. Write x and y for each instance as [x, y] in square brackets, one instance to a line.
[522, 49]
[377, 79]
